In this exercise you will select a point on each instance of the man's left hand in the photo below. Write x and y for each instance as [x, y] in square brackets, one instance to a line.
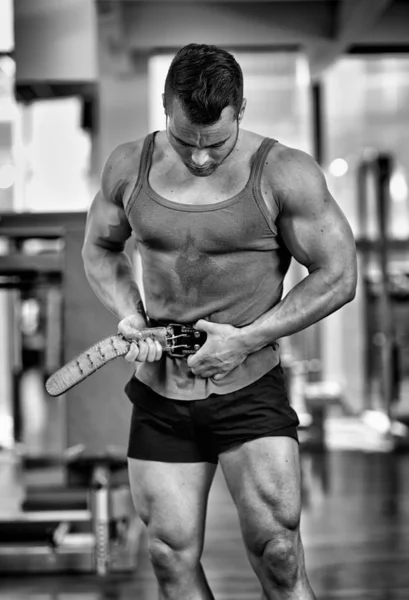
[222, 352]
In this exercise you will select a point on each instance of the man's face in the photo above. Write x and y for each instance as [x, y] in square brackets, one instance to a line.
[202, 148]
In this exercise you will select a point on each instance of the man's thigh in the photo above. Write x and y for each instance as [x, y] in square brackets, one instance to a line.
[264, 478]
[171, 500]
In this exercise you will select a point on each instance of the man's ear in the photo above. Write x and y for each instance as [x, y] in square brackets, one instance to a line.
[163, 102]
[242, 109]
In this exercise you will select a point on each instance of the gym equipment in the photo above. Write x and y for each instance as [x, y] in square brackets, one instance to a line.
[41, 263]
[88, 524]
[385, 277]
[384, 285]
[176, 339]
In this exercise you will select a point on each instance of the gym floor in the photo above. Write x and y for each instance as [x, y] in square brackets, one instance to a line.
[355, 531]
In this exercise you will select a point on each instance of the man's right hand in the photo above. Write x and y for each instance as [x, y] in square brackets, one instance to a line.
[146, 350]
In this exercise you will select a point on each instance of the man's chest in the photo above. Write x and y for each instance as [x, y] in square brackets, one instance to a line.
[177, 186]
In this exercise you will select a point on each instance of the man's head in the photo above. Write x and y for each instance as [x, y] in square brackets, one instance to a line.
[205, 79]
[204, 104]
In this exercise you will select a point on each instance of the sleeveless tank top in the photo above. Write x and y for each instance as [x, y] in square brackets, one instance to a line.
[222, 262]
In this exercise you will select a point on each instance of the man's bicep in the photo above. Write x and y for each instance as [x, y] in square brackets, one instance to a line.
[107, 225]
[316, 231]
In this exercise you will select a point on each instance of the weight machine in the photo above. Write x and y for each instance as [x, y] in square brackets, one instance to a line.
[77, 513]
[384, 264]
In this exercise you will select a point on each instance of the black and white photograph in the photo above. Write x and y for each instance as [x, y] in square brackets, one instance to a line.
[204, 299]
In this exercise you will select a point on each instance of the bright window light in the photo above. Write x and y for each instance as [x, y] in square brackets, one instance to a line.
[58, 157]
[398, 187]
[6, 26]
[7, 176]
[338, 167]
[8, 66]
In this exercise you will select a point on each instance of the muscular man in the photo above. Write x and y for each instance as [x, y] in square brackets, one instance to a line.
[217, 213]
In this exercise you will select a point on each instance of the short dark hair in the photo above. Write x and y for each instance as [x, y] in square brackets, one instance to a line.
[205, 79]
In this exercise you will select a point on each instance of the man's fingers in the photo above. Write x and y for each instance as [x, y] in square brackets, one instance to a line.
[219, 376]
[143, 351]
[146, 350]
[194, 359]
[208, 326]
[159, 350]
[132, 353]
[154, 350]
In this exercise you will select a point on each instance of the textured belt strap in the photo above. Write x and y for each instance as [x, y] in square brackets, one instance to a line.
[177, 340]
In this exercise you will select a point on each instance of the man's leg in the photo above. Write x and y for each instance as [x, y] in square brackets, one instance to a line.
[171, 499]
[263, 476]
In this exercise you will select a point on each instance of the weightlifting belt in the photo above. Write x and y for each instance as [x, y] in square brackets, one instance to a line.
[177, 340]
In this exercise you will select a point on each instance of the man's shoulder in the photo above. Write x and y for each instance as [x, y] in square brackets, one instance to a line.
[289, 175]
[280, 159]
[288, 168]
[289, 159]
[124, 159]
[121, 170]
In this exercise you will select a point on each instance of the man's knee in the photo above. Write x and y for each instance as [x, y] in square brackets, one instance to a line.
[281, 559]
[172, 563]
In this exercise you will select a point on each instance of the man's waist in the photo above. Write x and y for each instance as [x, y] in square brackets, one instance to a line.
[182, 339]
[173, 378]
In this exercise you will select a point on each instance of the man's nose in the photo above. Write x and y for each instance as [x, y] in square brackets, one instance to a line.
[200, 157]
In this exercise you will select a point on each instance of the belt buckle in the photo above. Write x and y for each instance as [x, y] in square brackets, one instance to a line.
[183, 340]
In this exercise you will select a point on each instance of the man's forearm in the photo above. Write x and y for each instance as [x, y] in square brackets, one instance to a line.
[314, 298]
[111, 277]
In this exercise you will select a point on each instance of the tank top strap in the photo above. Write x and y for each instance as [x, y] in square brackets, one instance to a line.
[255, 180]
[259, 160]
[144, 166]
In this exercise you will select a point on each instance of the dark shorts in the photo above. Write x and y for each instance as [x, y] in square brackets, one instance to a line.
[199, 430]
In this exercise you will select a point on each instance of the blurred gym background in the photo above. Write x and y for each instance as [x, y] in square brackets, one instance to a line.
[78, 77]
